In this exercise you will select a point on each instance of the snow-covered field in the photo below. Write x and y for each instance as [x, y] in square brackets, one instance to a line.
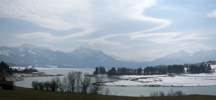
[165, 80]
[202, 79]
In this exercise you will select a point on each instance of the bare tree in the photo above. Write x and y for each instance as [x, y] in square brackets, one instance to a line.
[74, 81]
[47, 86]
[35, 85]
[58, 82]
[41, 86]
[78, 81]
[54, 84]
[71, 81]
[97, 85]
[85, 84]
[63, 86]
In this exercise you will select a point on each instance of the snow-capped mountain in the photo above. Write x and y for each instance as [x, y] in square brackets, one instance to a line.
[81, 57]
[87, 57]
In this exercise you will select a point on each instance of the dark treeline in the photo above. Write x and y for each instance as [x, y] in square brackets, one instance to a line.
[7, 70]
[5, 73]
[26, 70]
[157, 70]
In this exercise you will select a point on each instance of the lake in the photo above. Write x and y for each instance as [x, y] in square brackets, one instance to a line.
[128, 90]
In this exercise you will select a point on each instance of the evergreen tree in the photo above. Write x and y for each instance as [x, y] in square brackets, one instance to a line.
[112, 71]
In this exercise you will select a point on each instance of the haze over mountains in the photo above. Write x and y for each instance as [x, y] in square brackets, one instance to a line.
[81, 57]
[86, 57]
[182, 57]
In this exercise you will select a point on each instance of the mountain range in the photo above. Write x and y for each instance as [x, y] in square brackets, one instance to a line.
[87, 57]
[81, 57]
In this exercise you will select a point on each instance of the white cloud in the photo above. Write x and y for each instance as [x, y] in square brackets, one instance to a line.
[46, 13]
[136, 9]
[39, 36]
[132, 8]
[148, 46]
[49, 38]
[92, 16]
[85, 14]
[168, 37]
[212, 14]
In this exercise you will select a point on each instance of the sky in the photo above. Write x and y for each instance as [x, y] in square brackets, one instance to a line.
[136, 30]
